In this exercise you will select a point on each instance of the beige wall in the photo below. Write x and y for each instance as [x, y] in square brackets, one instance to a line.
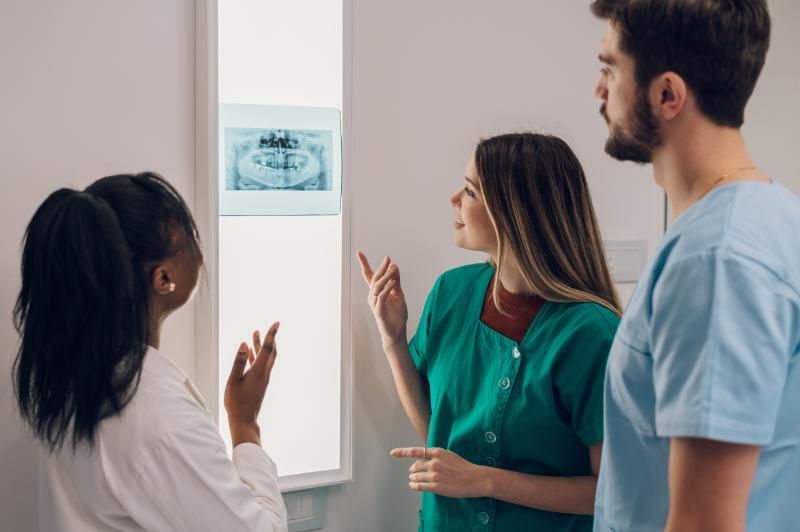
[89, 88]
[92, 87]
[772, 120]
[429, 78]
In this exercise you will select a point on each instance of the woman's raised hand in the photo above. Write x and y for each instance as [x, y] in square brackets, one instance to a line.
[387, 301]
[247, 384]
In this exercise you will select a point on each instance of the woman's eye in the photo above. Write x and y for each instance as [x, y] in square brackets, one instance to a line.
[469, 192]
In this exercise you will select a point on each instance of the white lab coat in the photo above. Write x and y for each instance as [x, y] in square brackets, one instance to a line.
[161, 466]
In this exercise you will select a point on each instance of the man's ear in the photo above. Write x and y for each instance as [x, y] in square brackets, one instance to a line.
[162, 280]
[668, 95]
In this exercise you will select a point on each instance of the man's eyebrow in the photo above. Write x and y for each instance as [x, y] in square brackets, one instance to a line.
[607, 59]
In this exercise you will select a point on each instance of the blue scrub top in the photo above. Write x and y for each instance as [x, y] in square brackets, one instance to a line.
[708, 348]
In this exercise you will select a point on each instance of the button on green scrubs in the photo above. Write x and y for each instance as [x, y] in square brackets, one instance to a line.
[533, 407]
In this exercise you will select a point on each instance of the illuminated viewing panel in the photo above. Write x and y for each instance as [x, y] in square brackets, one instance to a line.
[282, 236]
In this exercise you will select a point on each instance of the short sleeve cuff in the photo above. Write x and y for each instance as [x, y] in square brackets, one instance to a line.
[724, 431]
[591, 432]
[416, 357]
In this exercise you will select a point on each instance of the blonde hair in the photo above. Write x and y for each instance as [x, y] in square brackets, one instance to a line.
[538, 200]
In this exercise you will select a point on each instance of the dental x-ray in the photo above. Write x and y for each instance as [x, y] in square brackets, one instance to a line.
[279, 160]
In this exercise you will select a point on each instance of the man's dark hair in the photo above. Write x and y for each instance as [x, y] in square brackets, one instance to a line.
[717, 46]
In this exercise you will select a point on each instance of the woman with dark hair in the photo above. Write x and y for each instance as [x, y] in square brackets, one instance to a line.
[129, 444]
[504, 377]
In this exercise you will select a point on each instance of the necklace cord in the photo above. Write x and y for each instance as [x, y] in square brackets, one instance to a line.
[723, 177]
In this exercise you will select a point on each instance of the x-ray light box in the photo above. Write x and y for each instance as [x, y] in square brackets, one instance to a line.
[273, 210]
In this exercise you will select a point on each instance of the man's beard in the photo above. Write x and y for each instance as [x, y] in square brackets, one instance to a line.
[644, 138]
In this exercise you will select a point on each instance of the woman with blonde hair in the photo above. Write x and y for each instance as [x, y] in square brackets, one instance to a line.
[503, 379]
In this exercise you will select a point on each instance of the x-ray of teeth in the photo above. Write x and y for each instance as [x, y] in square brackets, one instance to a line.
[278, 159]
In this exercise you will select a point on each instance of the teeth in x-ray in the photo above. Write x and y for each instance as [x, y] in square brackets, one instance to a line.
[281, 159]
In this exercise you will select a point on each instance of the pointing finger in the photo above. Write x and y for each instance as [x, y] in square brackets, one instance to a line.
[408, 452]
[366, 270]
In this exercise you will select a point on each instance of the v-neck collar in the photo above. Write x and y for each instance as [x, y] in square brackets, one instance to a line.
[476, 308]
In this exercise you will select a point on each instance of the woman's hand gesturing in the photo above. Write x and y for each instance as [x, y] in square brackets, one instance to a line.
[246, 386]
[443, 472]
[387, 301]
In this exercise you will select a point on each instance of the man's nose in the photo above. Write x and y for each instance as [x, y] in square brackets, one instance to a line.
[600, 90]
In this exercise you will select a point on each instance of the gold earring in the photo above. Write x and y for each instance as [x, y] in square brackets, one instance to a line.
[171, 287]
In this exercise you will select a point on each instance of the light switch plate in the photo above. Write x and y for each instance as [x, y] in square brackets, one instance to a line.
[626, 259]
[305, 509]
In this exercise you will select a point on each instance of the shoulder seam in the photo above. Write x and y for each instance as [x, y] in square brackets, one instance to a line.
[724, 250]
[604, 318]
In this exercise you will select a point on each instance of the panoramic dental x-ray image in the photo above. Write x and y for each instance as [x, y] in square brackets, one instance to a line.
[278, 159]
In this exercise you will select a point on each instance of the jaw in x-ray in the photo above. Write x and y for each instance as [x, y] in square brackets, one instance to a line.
[279, 159]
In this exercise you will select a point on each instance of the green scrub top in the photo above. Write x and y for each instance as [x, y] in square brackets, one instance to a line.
[533, 407]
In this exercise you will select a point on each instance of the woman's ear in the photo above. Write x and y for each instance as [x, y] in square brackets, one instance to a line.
[162, 280]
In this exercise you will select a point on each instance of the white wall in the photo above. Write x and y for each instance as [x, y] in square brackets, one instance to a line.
[89, 88]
